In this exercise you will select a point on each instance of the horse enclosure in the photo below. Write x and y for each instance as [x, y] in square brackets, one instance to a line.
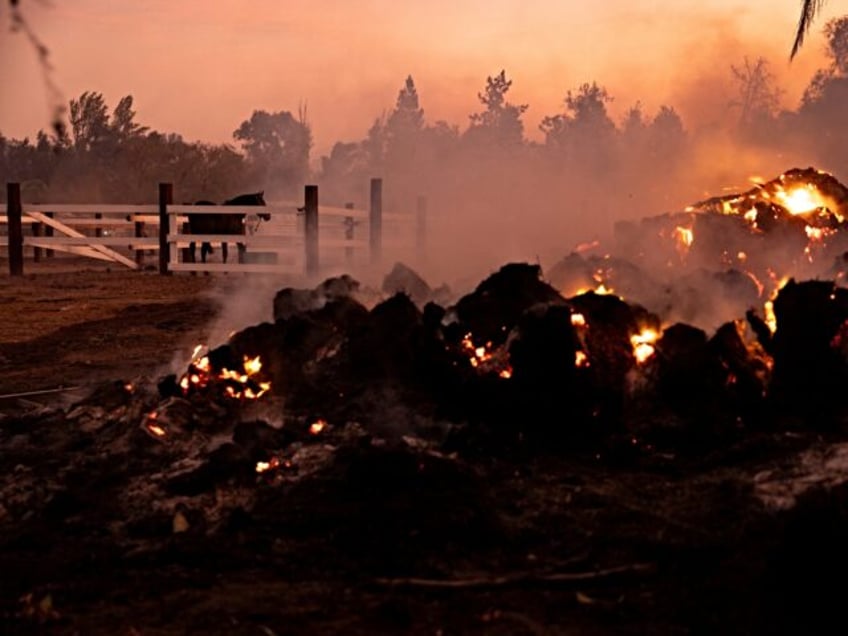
[297, 238]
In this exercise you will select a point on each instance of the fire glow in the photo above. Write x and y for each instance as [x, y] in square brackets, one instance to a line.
[802, 200]
[485, 357]
[273, 463]
[684, 236]
[768, 307]
[643, 344]
[152, 425]
[238, 384]
[799, 199]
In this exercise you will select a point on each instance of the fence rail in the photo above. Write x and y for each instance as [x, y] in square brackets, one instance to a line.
[299, 237]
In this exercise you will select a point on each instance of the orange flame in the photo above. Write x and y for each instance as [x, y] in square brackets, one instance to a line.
[684, 236]
[643, 344]
[241, 384]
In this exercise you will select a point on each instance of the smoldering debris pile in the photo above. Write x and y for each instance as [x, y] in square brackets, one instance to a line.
[723, 255]
[348, 446]
[534, 436]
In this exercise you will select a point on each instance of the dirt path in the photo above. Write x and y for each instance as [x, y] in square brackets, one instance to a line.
[64, 328]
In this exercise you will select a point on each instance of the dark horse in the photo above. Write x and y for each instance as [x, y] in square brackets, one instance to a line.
[223, 224]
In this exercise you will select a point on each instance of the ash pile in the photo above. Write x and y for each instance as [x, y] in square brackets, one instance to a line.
[360, 453]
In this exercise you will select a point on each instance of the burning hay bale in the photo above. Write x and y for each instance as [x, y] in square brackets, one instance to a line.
[679, 398]
[496, 305]
[747, 370]
[294, 348]
[576, 274]
[615, 337]
[794, 225]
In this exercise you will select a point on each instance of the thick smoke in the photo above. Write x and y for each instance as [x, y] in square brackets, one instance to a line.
[498, 189]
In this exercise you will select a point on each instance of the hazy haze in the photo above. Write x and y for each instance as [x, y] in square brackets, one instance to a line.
[200, 68]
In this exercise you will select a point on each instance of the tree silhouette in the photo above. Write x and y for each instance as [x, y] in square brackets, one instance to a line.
[404, 125]
[758, 98]
[89, 121]
[277, 146]
[500, 123]
[585, 119]
[836, 32]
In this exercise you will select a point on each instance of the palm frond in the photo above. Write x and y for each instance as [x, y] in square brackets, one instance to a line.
[809, 10]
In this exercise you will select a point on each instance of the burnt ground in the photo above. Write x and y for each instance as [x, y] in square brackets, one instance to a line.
[105, 530]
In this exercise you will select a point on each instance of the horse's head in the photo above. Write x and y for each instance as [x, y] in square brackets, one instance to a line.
[255, 198]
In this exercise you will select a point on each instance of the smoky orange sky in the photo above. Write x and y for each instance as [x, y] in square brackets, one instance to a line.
[201, 67]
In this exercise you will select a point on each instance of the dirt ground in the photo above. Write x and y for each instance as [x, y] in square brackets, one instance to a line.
[73, 324]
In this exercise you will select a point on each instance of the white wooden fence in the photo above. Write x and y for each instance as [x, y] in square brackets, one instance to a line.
[298, 238]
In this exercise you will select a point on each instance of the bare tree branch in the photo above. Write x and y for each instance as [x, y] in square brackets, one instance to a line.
[54, 95]
[809, 10]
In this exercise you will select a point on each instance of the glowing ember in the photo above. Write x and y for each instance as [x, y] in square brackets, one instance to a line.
[578, 320]
[643, 344]
[756, 281]
[601, 290]
[581, 360]
[771, 320]
[684, 237]
[768, 307]
[157, 430]
[751, 217]
[252, 365]
[152, 427]
[801, 200]
[239, 384]
[271, 464]
[317, 426]
[476, 354]
[486, 358]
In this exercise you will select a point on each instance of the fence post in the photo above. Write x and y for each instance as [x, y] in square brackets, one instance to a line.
[310, 195]
[375, 220]
[48, 232]
[14, 213]
[421, 224]
[139, 233]
[98, 231]
[349, 224]
[36, 251]
[166, 198]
